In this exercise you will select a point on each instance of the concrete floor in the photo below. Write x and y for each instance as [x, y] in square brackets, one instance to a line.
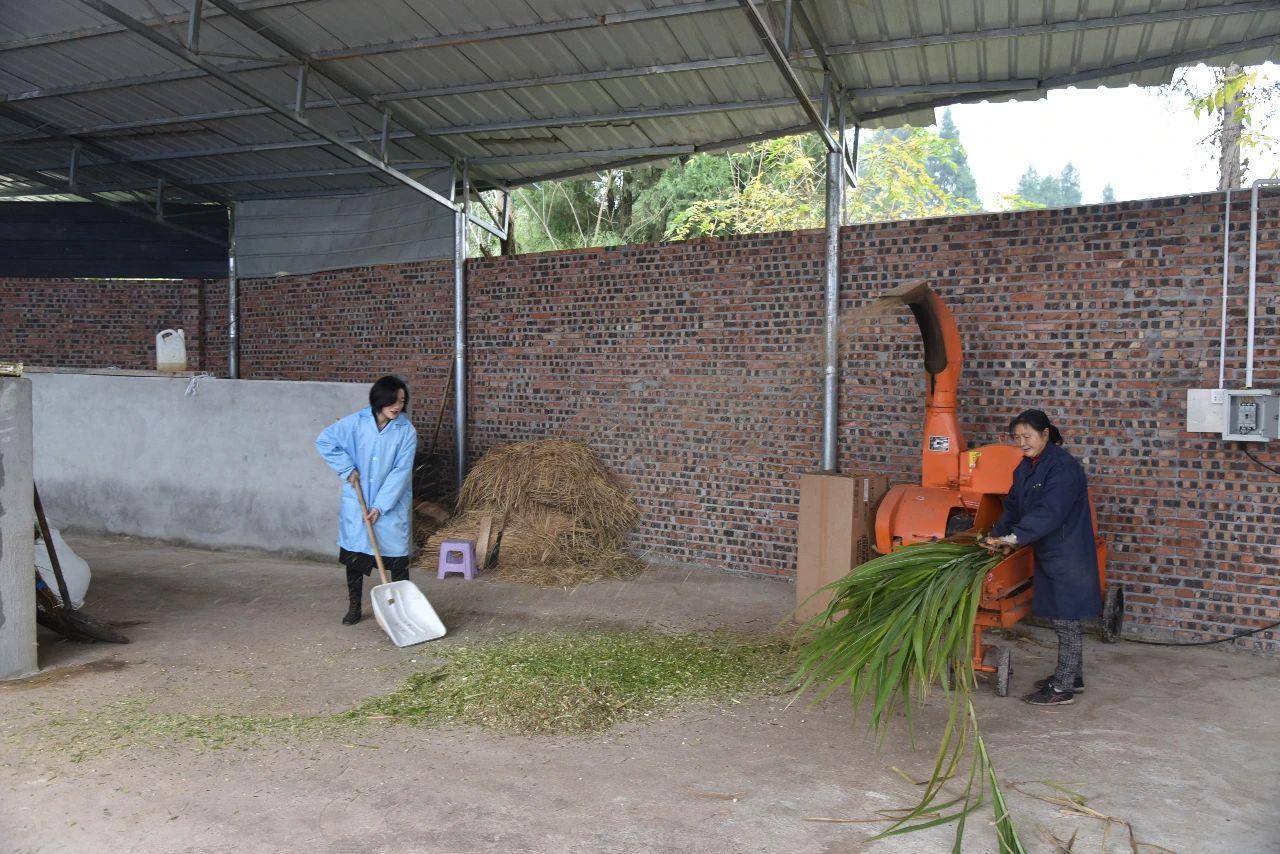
[1182, 743]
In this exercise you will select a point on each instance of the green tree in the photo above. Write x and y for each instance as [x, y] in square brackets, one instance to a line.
[1108, 195]
[769, 186]
[1048, 191]
[1069, 186]
[953, 173]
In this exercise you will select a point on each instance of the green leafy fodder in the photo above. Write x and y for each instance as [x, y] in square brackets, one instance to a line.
[897, 626]
[581, 682]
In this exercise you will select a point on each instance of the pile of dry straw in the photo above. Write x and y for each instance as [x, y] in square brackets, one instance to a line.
[559, 516]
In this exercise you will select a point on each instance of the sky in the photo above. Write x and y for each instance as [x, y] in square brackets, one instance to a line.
[1144, 142]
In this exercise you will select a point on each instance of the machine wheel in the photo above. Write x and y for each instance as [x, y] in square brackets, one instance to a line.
[1004, 671]
[1112, 613]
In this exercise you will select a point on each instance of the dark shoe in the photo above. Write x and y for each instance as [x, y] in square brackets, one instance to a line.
[1048, 680]
[353, 615]
[1050, 697]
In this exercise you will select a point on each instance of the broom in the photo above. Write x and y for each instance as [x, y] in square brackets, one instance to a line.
[895, 627]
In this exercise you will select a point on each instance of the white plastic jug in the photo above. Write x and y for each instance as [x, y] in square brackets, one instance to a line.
[171, 350]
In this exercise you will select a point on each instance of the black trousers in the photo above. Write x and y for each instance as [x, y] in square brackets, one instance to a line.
[359, 565]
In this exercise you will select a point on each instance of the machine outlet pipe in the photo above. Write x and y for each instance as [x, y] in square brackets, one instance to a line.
[233, 298]
[831, 352]
[1253, 272]
[1226, 273]
[460, 330]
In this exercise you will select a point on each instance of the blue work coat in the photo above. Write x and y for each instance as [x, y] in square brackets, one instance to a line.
[1048, 509]
[384, 459]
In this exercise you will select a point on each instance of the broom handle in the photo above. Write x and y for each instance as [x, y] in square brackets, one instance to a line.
[444, 399]
[368, 526]
[47, 534]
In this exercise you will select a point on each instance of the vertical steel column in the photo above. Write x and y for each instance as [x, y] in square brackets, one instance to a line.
[831, 357]
[460, 327]
[1226, 276]
[233, 298]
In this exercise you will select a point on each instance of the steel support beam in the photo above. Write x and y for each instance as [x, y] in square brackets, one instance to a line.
[723, 62]
[789, 74]
[233, 298]
[334, 139]
[836, 164]
[629, 162]
[454, 130]
[460, 327]
[59, 189]
[1173, 59]
[334, 74]
[81, 145]
[160, 21]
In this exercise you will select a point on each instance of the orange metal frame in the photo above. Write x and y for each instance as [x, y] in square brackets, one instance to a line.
[956, 480]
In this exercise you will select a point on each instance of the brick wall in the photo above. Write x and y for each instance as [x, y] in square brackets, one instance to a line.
[98, 323]
[693, 369]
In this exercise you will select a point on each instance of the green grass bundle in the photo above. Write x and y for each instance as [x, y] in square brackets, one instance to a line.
[897, 626]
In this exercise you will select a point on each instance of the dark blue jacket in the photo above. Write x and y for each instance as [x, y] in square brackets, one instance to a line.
[1048, 509]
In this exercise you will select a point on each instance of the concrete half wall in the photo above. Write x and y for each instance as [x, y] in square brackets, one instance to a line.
[230, 464]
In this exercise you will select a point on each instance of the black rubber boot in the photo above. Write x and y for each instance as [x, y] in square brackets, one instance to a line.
[355, 585]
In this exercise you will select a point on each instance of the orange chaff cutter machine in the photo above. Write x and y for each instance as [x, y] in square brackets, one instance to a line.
[961, 490]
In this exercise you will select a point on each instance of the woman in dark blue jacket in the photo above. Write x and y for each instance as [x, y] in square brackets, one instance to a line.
[1048, 509]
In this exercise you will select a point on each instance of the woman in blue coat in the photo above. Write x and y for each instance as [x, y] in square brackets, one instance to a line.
[374, 450]
[1048, 509]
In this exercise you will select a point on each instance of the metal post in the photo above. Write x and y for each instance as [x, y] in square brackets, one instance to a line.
[233, 298]
[300, 96]
[460, 328]
[193, 26]
[831, 365]
[786, 29]
[75, 163]
[1253, 283]
[1226, 267]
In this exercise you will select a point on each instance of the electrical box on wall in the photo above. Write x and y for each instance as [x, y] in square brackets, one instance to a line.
[1239, 415]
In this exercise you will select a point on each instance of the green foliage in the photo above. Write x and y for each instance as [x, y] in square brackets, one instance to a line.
[1049, 191]
[953, 174]
[1108, 194]
[895, 180]
[578, 683]
[1231, 87]
[897, 626]
[552, 683]
[770, 186]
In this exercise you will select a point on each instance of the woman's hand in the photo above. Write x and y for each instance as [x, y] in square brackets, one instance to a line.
[372, 515]
[1002, 545]
[354, 478]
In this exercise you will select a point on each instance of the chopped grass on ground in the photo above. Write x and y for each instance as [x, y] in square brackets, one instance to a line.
[557, 683]
[581, 682]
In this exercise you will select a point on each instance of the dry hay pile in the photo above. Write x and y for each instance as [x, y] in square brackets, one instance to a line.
[560, 518]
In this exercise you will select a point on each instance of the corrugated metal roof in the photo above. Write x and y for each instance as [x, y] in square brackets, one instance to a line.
[526, 89]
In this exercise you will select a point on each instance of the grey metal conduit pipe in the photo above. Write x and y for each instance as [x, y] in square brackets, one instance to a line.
[233, 298]
[1253, 271]
[831, 352]
[460, 331]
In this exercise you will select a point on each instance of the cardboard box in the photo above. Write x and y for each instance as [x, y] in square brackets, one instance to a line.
[837, 532]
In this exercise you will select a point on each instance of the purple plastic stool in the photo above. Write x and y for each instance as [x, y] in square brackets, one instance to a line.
[457, 556]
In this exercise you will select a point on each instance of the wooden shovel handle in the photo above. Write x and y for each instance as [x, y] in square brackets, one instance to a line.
[46, 533]
[368, 526]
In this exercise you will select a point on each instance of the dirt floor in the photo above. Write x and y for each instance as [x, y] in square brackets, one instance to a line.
[1182, 743]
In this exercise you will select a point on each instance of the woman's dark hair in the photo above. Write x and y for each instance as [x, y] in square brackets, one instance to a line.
[383, 393]
[1038, 421]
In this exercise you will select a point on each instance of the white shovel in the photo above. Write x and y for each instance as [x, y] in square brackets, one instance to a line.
[399, 606]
